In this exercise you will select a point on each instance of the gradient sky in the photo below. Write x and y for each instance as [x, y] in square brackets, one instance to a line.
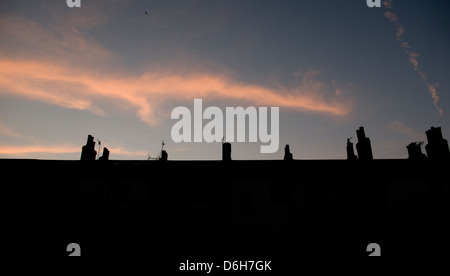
[109, 70]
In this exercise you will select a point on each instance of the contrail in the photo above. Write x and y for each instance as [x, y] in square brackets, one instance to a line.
[412, 55]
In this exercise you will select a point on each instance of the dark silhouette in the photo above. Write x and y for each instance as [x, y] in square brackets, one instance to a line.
[226, 151]
[146, 12]
[415, 151]
[273, 210]
[350, 151]
[164, 156]
[437, 147]
[363, 146]
[88, 151]
[287, 154]
[105, 156]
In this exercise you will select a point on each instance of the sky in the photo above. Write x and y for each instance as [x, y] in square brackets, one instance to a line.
[109, 70]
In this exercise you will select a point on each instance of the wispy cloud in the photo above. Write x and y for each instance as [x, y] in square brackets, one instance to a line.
[401, 128]
[73, 88]
[387, 4]
[57, 62]
[62, 66]
[18, 151]
[120, 150]
[62, 42]
[412, 55]
[7, 131]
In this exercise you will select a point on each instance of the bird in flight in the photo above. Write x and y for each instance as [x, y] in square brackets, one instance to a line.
[146, 12]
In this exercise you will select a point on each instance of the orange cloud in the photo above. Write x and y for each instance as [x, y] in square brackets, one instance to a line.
[75, 88]
[55, 61]
[63, 149]
[18, 150]
[60, 65]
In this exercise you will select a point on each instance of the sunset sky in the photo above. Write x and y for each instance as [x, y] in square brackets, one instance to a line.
[109, 70]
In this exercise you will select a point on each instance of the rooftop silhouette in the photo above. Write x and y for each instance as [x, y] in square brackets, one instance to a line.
[178, 210]
[437, 148]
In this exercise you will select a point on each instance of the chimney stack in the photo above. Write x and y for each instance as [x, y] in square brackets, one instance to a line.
[437, 147]
[88, 151]
[363, 146]
[226, 152]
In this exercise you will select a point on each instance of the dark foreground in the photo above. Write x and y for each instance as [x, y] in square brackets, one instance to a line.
[206, 211]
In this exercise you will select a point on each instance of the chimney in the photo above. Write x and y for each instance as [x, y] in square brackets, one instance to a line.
[226, 152]
[164, 156]
[88, 151]
[350, 151]
[105, 156]
[415, 151]
[287, 154]
[363, 146]
[437, 147]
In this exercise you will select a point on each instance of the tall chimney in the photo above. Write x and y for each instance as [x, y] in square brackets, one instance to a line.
[226, 152]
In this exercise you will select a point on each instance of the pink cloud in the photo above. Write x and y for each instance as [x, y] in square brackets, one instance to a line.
[60, 65]
[74, 88]
[19, 151]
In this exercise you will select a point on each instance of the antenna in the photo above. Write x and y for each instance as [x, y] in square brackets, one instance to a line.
[149, 157]
[99, 146]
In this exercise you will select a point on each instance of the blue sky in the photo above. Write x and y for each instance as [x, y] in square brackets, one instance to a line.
[109, 70]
